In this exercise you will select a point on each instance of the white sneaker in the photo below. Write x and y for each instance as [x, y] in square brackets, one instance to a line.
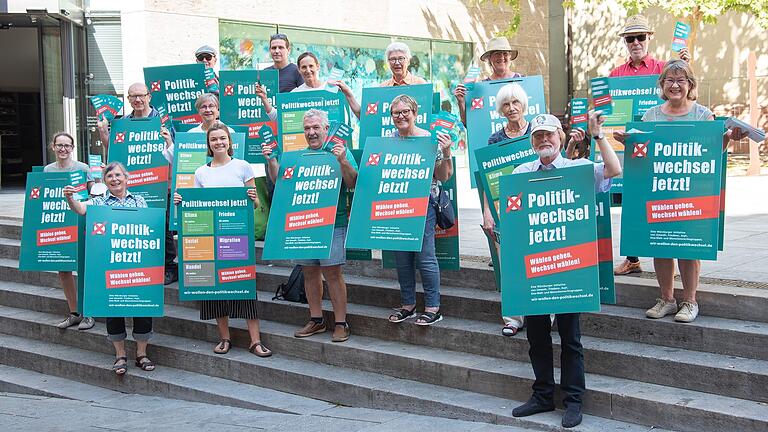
[661, 309]
[688, 312]
[69, 321]
[86, 323]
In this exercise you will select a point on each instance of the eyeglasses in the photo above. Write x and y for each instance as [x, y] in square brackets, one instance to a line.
[400, 60]
[138, 96]
[202, 57]
[631, 39]
[208, 107]
[404, 113]
[680, 82]
[63, 146]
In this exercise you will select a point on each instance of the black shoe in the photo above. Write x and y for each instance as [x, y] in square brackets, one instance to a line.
[532, 407]
[572, 416]
[171, 276]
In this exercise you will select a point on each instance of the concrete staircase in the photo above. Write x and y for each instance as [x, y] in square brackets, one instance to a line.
[711, 375]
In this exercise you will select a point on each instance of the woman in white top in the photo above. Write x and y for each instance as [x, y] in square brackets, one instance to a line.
[226, 171]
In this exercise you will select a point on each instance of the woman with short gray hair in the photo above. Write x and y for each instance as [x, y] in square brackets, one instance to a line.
[398, 57]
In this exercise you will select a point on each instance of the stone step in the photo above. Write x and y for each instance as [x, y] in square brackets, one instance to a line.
[606, 396]
[66, 354]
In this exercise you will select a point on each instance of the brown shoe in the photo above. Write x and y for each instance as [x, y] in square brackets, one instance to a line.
[627, 267]
[310, 329]
[340, 333]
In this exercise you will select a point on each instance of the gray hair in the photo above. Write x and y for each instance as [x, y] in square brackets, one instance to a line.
[322, 115]
[406, 100]
[113, 166]
[510, 93]
[205, 97]
[398, 46]
[677, 67]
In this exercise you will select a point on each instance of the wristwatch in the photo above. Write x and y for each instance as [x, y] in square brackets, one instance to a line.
[599, 136]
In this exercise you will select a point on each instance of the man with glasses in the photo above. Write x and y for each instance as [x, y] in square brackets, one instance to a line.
[636, 36]
[399, 59]
[206, 55]
[279, 49]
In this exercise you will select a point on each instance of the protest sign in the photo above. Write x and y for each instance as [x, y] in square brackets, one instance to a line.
[549, 242]
[240, 105]
[95, 164]
[292, 106]
[211, 81]
[79, 181]
[605, 247]
[106, 106]
[680, 36]
[671, 204]
[375, 117]
[125, 268]
[579, 113]
[601, 95]
[177, 88]
[354, 254]
[216, 245]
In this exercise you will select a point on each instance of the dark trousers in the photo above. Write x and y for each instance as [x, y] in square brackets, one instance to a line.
[142, 329]
[571, 358]
[170, 245]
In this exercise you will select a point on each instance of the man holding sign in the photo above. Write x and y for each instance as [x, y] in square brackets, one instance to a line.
[316, 127]
[547, 138]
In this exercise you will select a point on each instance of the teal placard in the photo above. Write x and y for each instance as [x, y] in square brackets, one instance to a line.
[125, 268]
[177, 87]
[37, 168]
[671, 204]
[601, 95]
[680, 36]
[303, 211]
[549, 242]
[605, 248]
[50, 233]
[106, 106]
[392, 191]
[375, 117]
[356, 254]
[216, 241]
[292, 106]
[499, 159]
[79, 181]
[579, 113]
[492, 245]
[483, 119]
[211, 81]
[95, 163]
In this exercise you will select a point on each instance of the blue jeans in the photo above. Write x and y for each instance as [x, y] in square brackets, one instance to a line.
[426, 260]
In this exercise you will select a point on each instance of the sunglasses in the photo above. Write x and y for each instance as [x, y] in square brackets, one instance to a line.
[631, 39]
[202, 57]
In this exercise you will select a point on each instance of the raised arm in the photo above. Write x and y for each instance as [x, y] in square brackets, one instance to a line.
[76, 206]
[611, 161]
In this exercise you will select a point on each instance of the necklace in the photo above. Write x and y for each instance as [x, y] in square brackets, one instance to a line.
[516, 131]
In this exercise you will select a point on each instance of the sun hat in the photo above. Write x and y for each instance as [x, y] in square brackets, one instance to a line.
[636, 24]
[498, 44]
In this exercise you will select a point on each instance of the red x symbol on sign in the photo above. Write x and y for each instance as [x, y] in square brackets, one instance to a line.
[373, 159]
[155, 86]
[120, 137]
[373, 108]
[288, 173]
[99, 228]
[477, 103]
[514, 202]
[229, 90]
[641, 149]
[35, 193]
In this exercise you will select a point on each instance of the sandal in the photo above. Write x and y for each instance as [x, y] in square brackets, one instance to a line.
[265, 352]
[225, 345]
[429, 318]
[509, 329]
[122, 368]
[145, 366]
[402, 315]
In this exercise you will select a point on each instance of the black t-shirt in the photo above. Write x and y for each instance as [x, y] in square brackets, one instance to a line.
[290, 78]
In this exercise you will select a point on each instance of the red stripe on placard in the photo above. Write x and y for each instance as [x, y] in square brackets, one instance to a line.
[59, 235]
[581, 118]
[237, 274]
[450, 232]
[444, 123]
[399, 208]
[135, 277]
[310, 218]
[682, 209]
[603, 100]
[253, 128]
[561, 260]
[190, 119]
[80, 187]
[605, 250]
[722, 199]
[148, 176]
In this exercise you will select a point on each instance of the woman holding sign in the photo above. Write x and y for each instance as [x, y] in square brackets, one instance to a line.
[226, 171]
[404, 110]
[678, 89]
[116, 178]
[62, 146]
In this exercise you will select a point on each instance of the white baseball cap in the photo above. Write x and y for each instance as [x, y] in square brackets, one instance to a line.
[545, 122]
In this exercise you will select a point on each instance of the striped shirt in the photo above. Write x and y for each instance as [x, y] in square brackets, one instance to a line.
[130, 200]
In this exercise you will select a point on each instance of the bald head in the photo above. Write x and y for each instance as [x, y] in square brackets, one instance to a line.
[139, 98]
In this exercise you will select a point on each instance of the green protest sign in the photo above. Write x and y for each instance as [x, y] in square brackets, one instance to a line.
[580, 113]
[549, 242]
[671, 205]
[292, 106]
[177, 88]
[304, 206]
[482, 118]
[494, 161]
[137, 143]
[49, 234]
[79, 181]
[217, 258]
[352, 253]
[106, 106]
[211, 81]
[375, 118]
[241, 106]
[721, 221]
[605, 248]
[492, 245]
[601, 95]
[126, 264]
[392, 193]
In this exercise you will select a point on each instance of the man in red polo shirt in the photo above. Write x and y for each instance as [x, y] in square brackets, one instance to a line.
[636, 35]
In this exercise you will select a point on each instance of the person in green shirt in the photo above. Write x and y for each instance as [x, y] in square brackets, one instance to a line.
[316, 127]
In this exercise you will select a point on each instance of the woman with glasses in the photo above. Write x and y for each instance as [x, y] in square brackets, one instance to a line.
[404, 110]
[63, 145]
[399, 59]
[207, 105]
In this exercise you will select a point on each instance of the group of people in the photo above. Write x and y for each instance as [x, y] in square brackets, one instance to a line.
[548, 139]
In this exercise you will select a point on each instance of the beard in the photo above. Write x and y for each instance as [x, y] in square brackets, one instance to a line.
[547, 152]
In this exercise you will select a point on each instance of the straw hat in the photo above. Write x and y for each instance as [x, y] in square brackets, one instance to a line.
[498, 44]
[636, 24]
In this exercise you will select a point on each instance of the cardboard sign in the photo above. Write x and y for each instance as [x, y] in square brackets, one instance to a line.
[292, 106]
[680, 36]
[375, 117]
[177, 88]
[601, 95]
[107, 106]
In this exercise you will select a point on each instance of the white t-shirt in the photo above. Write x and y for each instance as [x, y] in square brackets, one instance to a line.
[168, 151]
[233, 174]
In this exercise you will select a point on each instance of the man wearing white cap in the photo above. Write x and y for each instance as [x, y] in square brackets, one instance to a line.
[206, 55]
[547, 138]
